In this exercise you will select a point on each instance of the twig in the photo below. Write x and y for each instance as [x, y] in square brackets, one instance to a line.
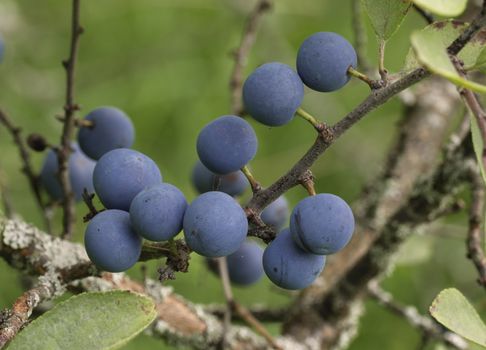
[27, 167]
[475, 251]
[470, 31]
[242, 52]
[261, 312]
[228, 296]
[4, 196]
[425, 15]
[424, 324]
[360, 37]
[307, 181]
[247, 316]
[88, 200]
[70, 107]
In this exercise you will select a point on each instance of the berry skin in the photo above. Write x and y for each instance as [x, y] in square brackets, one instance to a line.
[112, 129]
[323, 61]
[245, 265]
[276, 214]
[121, 174]
[215, 225]
[157, 212]
[226, 144]
[110, 241]
[288, 266]
[205, 180]
[322, 224]
[80, 173]
[2, 49]
[272, 94]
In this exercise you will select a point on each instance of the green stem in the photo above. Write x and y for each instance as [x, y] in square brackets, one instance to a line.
[255, 186]
[363, 77]
[306, 116]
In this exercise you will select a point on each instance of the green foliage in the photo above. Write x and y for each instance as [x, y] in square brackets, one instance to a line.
[386, 16]
[88, 321]
[454, 311]
[430, 46]
[446, 8]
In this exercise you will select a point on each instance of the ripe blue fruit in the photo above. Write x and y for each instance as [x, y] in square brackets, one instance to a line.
[157, 212]
[272, 94]
[80, 173]
[226, 144]
[244, 266]
[322, 224]
[323, 61]
[205, 180]
[276, 213]
[288, 266]
[2, 49]
[112, 129]
[215, 225]
[110, 241]
[121, 174]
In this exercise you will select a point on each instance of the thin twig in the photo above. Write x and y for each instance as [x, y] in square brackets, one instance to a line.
[228, 296]
[5, 197]
[27, 167]
[425, 15]
[242, 52]
[360, 37]
[88, 200]
[423, 323]
[475, 251]
[70, 107]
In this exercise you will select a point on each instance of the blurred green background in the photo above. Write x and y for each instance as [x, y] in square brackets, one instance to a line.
[167, 64]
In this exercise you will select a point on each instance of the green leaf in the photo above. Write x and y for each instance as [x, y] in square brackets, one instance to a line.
[88, 321]
[452, 309]
[481, 61]
[430, 46]
[445, 32]
[446, 8]
[386, 15]
[478, 145]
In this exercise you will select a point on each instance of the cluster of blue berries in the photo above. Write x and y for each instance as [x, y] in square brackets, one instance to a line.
[140, 206]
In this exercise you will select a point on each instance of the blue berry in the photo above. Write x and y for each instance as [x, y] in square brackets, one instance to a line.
[226, 144]
[205, 180]
[272, 94]
[323, 61]
[112, 129]
[121, 174]
[2, 49]
[110, 241]
[215, 225]
[276, 214]
[157, 212]
[80, 173]
[288, 266]
[322, 224]
[245, 265]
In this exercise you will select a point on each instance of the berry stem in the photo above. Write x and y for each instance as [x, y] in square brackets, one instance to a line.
[306, 116]
[381, 62]
[373, 84]
[255, 185]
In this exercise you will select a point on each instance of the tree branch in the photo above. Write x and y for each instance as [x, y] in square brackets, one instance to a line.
[475, 251]
[242, 52]
[27, 167]
[70, 107]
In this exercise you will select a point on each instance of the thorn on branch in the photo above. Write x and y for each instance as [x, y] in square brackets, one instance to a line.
[88, 200]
